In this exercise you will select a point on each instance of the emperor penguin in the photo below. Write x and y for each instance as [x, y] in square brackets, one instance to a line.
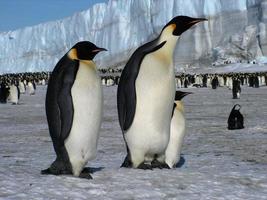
[74, 103]
[236, 90]
[4, 92]
[14, 93]
[22, 87]
[31, 88]
[146, 94]
[177, 132]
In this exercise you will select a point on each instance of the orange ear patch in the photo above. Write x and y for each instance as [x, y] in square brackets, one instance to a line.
[173, 26]
[73, 54]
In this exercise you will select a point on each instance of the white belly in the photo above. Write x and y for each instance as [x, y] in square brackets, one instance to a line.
[31, 88]
[13, 97]
[155, 90]
[86, 94]
[21, 87]
[173, 151]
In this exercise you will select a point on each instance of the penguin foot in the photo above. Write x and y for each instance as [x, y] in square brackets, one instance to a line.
[144, 166]
[51, 171]
[46, 171]
[156, 164]
[57, 168]
[127, 162]
[85, 175]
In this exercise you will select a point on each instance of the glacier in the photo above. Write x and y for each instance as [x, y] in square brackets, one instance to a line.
[121, 26]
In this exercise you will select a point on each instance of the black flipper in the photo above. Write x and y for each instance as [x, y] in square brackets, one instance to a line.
[126, 95]
[127, 162]
[59, 106]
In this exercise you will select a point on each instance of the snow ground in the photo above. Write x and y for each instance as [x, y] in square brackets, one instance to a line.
[219, 164]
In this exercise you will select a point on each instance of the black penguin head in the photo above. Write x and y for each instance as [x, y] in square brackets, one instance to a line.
[84, 50]
[182, 23]
[180, 94]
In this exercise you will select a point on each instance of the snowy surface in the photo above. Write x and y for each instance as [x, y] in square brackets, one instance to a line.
[219, 164]
[121, 26]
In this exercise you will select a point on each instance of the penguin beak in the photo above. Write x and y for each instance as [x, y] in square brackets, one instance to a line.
[196, 20]
[98, 49]
[179, 95]
[186, 93]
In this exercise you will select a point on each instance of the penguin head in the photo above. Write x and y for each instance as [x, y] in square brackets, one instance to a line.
[180, 24]
[180, 94]
[84, 50]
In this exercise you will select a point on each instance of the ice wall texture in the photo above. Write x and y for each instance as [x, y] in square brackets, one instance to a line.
[122, 25]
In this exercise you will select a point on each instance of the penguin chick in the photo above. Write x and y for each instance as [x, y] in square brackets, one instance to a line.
[177, 132]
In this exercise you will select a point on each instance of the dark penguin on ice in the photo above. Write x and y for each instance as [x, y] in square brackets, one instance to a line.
[236, 90]
[236, 119]
[74, 110]
[4, 92]
[146, 94]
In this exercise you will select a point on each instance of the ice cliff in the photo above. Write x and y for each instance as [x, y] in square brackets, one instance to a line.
[236, 29]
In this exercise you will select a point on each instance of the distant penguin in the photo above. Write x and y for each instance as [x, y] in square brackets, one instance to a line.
[43, 82]
[215, 82]
[178, 82]
[230, 83]
[205, 80]
[221, 81]
[4, 92]
[22, 87]
[117, 80]
[31, 89]
[256, 81]
[236, 88]
[74, 103]
[104, 82]
[110, 81]
[146, 94]
[209, 82]
[173, 151]
[14, 94]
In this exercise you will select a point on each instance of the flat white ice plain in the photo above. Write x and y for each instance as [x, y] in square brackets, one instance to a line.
[219, 164]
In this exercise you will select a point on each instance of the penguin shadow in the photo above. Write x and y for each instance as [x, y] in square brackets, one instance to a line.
[181, 162]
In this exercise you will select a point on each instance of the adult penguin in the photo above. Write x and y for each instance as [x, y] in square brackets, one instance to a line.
[74, 110]
[22, 87]
[14, 93]
[146, 94]
[31, 88]
[4, 92]
[236, 90]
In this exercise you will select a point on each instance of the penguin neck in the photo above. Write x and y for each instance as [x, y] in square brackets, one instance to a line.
[88, 63]
[171, 40]
[179, 106]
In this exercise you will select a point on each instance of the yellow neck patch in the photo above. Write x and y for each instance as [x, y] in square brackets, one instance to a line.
[179, 106]
[73, 54]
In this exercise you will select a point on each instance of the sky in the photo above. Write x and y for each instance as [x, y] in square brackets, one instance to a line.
[16, 14]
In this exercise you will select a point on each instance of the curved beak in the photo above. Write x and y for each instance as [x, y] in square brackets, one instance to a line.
[186, 93]
[180, 94]
[98, 49]
[197, 20]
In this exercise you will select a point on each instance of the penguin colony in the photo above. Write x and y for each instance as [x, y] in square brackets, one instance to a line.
[12, 86]
[74, 101]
